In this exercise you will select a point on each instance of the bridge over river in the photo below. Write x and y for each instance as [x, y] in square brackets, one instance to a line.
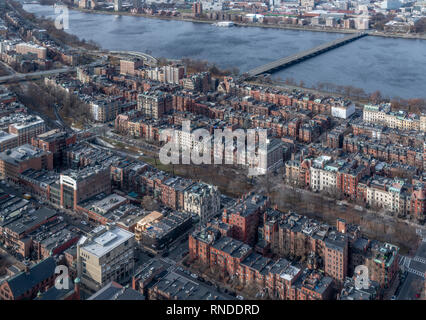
[304, 55]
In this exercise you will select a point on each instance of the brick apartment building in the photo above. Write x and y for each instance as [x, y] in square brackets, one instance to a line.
[54, 141]
[173, 191]
[106, 109]
[154, 104]
[226, 254]
[8, 141]
[129, 66]
[27, 128]
[15, 161]
[244, 217]
[25, 48]
[79, 185]
[124, 174]
[382, 263]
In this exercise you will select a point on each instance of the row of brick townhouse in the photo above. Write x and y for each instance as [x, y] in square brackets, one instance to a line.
[142, 127]
[395, 195]
[296, 235]
[341, 250]
[286, 98]
[382, 114]
[280, 279]
[412, 138]
[358, 180]
[187, 195]
[383, 151]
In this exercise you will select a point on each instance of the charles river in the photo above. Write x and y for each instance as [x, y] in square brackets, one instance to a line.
[396, 67]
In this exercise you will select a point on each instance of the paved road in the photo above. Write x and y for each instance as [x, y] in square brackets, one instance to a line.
[416, 268]
[33, 75]
[178, 250]
[8, 68]
[148, 58]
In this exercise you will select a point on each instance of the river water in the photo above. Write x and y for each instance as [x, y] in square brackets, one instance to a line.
[396, 67]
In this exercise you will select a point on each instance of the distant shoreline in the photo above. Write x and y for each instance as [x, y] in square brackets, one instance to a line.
[239, 24]
[374, 33]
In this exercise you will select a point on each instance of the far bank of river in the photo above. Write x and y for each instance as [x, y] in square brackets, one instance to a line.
[261, 25]
[396, 67]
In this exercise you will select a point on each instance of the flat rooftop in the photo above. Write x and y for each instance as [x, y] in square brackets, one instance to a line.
[29, 221]
[108, 203]
[21, 153]
[107, 241]
[4, 136]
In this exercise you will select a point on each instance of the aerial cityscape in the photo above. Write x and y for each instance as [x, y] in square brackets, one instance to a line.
[212, 150]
